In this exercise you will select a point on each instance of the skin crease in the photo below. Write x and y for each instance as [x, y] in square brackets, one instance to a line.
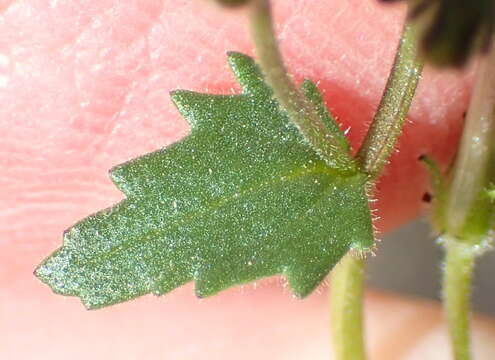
[83, 87]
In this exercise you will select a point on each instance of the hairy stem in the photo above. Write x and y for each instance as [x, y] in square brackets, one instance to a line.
[394, 106]
[300, 110]
[346, 303]
[347, 278]
[459, 263]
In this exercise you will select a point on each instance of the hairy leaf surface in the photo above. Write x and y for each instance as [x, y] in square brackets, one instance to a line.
[241, 198]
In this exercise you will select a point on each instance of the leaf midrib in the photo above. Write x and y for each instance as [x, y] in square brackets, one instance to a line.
[319, 167]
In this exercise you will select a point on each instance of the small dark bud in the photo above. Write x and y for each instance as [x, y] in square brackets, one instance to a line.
[427, 197]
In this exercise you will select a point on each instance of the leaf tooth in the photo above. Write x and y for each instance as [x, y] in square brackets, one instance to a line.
[119, 178]
[248, 74]
[303, 279]
[312, 93]
[210, 280]
[188, 103]
[54, 271]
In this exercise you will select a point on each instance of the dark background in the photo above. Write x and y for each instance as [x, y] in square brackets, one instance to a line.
[409, 261]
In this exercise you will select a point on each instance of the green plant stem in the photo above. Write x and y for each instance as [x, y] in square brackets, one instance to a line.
[391, 114]
[299, 109]
[347, 283]
[347, 278]
[459, 263]
[468, 209]
[474, 168]
[347, 309]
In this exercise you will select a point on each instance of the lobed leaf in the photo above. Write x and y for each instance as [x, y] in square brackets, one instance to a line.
[241, 198]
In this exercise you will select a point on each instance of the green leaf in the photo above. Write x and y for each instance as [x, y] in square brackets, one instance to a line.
[242, 197]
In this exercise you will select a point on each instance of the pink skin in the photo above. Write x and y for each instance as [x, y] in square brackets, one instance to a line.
[84, 86]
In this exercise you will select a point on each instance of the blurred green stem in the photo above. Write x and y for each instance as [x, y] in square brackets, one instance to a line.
[459, 263]
[469, 214]
[474, 168]
[347, 309]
